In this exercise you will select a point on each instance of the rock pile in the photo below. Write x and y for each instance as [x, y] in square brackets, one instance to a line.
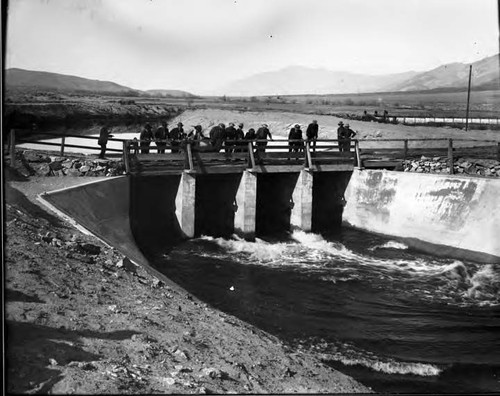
[468, 166]
[30, 162]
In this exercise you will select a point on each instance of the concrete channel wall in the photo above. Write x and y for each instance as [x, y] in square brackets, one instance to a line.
[454, 216]
[141, 216]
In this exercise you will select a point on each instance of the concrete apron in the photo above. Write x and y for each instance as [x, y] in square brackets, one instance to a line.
[447, 215]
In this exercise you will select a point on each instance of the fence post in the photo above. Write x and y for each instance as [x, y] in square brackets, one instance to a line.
[358, 154]
[405, 152]
[450, 155]
[125, 155]
[498, 151]
[250, 153]
[190, 157]
[12, 147]
[63, 141]
[309, 163]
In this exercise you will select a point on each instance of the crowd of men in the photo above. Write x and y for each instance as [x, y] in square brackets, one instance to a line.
[230, 138]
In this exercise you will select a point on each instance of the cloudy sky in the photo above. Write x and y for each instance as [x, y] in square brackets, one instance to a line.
[199, 45]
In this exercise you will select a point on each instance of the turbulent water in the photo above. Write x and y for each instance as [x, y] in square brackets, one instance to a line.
[395, 319]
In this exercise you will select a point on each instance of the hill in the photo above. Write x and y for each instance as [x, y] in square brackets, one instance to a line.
[485, 72]
[297, 80]
[38, 80]
[29, 79]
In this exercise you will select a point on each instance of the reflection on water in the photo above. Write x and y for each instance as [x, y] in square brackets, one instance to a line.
[395, 319]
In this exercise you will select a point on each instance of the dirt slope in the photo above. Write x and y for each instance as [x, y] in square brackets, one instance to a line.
[79, 319]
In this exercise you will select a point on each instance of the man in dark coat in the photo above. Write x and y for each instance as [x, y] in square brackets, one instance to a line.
[176, 135]
[341, 135]
[295, 134]
[250, 135]
[230, 135]
[160, 137]
[146, 137]
[262, 134]
[104, 135]
[240, 135]
[217, 136]
[349, 134]
[312, 134]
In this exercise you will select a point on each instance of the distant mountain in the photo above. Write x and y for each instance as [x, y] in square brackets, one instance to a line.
[19, 78]
[296, 80]
[30, 80]
[485, 73]
[169, 93]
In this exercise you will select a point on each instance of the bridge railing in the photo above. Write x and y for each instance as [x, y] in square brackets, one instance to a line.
[191, 155]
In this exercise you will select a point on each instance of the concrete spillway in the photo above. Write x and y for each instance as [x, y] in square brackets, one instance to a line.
[457, 216]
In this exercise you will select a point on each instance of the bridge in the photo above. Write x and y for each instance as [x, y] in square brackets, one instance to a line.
[237, 156]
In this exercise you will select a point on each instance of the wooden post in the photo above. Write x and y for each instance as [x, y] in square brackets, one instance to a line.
[358, 154]
[450, 155]
[468, 100]
[405, 152]
[308, 158]
[250, 153]
[63, 141]
[125, 154]
[12, 147]
[190, 157]
[498, 151]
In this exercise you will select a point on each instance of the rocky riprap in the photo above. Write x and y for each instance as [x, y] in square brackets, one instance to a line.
[467, 166]
[30, 163]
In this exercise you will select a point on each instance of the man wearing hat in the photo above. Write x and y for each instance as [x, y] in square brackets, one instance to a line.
[160, 137]
[240, 135]
[341, 136]
[176, 135]
[218, 136]
[230, 135]
[262, 134]
[295, 134]
[312, 134]
[349, 134]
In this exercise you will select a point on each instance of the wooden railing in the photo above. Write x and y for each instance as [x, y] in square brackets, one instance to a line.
[254, 154]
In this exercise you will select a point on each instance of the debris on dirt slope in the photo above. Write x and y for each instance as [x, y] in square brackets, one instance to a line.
[81, 318]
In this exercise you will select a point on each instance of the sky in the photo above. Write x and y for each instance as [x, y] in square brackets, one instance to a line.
[202, 45]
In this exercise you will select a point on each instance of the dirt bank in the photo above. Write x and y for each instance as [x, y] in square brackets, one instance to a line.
[280, 123]
[80, 319]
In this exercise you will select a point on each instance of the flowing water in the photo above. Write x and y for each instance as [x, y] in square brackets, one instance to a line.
[394, 319]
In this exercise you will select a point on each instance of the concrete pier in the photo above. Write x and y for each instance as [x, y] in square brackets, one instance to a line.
[302, 198]
[185, 204]
[246, 203]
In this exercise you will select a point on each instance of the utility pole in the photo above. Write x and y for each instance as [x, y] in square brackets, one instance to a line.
[468, 100]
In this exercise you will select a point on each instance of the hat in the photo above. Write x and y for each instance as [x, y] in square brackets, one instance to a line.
[297, 126]
[264, 125]
[180, 124]
[341, 123]
[197, 127]
[240, 125]
[231, 124]
[315, 121]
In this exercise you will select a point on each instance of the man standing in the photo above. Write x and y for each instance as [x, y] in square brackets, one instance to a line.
[230, 135]
[312, 134]
[341, 135]
[145, 138]
[349, 134]
[176, 135]
[296, 135]
[104, 135]
[240, 135]
[160, 136]
[262, 134]
[217, 136]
